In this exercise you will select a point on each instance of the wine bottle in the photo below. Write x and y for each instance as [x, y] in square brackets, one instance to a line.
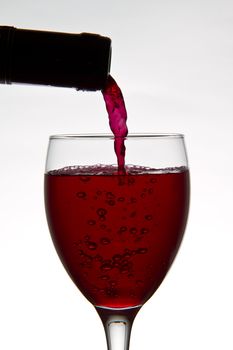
[80, 61]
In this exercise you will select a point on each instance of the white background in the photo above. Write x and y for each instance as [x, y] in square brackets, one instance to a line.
[174, 63]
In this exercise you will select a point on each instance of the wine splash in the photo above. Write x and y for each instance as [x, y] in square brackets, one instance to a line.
[117, 114]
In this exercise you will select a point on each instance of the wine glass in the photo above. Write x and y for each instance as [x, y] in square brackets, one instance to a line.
[116, 233]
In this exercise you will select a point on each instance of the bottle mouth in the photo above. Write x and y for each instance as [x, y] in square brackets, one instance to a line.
[79, 61]
[109, 58]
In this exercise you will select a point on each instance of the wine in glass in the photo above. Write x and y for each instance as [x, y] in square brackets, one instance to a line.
[117, 233]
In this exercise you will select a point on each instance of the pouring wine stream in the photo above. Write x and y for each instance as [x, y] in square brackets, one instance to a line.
[117, 114]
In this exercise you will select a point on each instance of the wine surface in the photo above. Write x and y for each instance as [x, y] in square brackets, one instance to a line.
[117, 235]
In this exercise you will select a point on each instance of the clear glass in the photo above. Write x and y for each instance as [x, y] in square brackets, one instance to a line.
[117, 234]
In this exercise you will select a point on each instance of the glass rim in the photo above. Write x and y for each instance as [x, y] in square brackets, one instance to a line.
[111, 136]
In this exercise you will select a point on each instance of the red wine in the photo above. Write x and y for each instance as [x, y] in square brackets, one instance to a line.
[117, 114]
[117, 235]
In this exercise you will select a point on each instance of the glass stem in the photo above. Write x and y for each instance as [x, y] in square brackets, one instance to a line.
[117, 324]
